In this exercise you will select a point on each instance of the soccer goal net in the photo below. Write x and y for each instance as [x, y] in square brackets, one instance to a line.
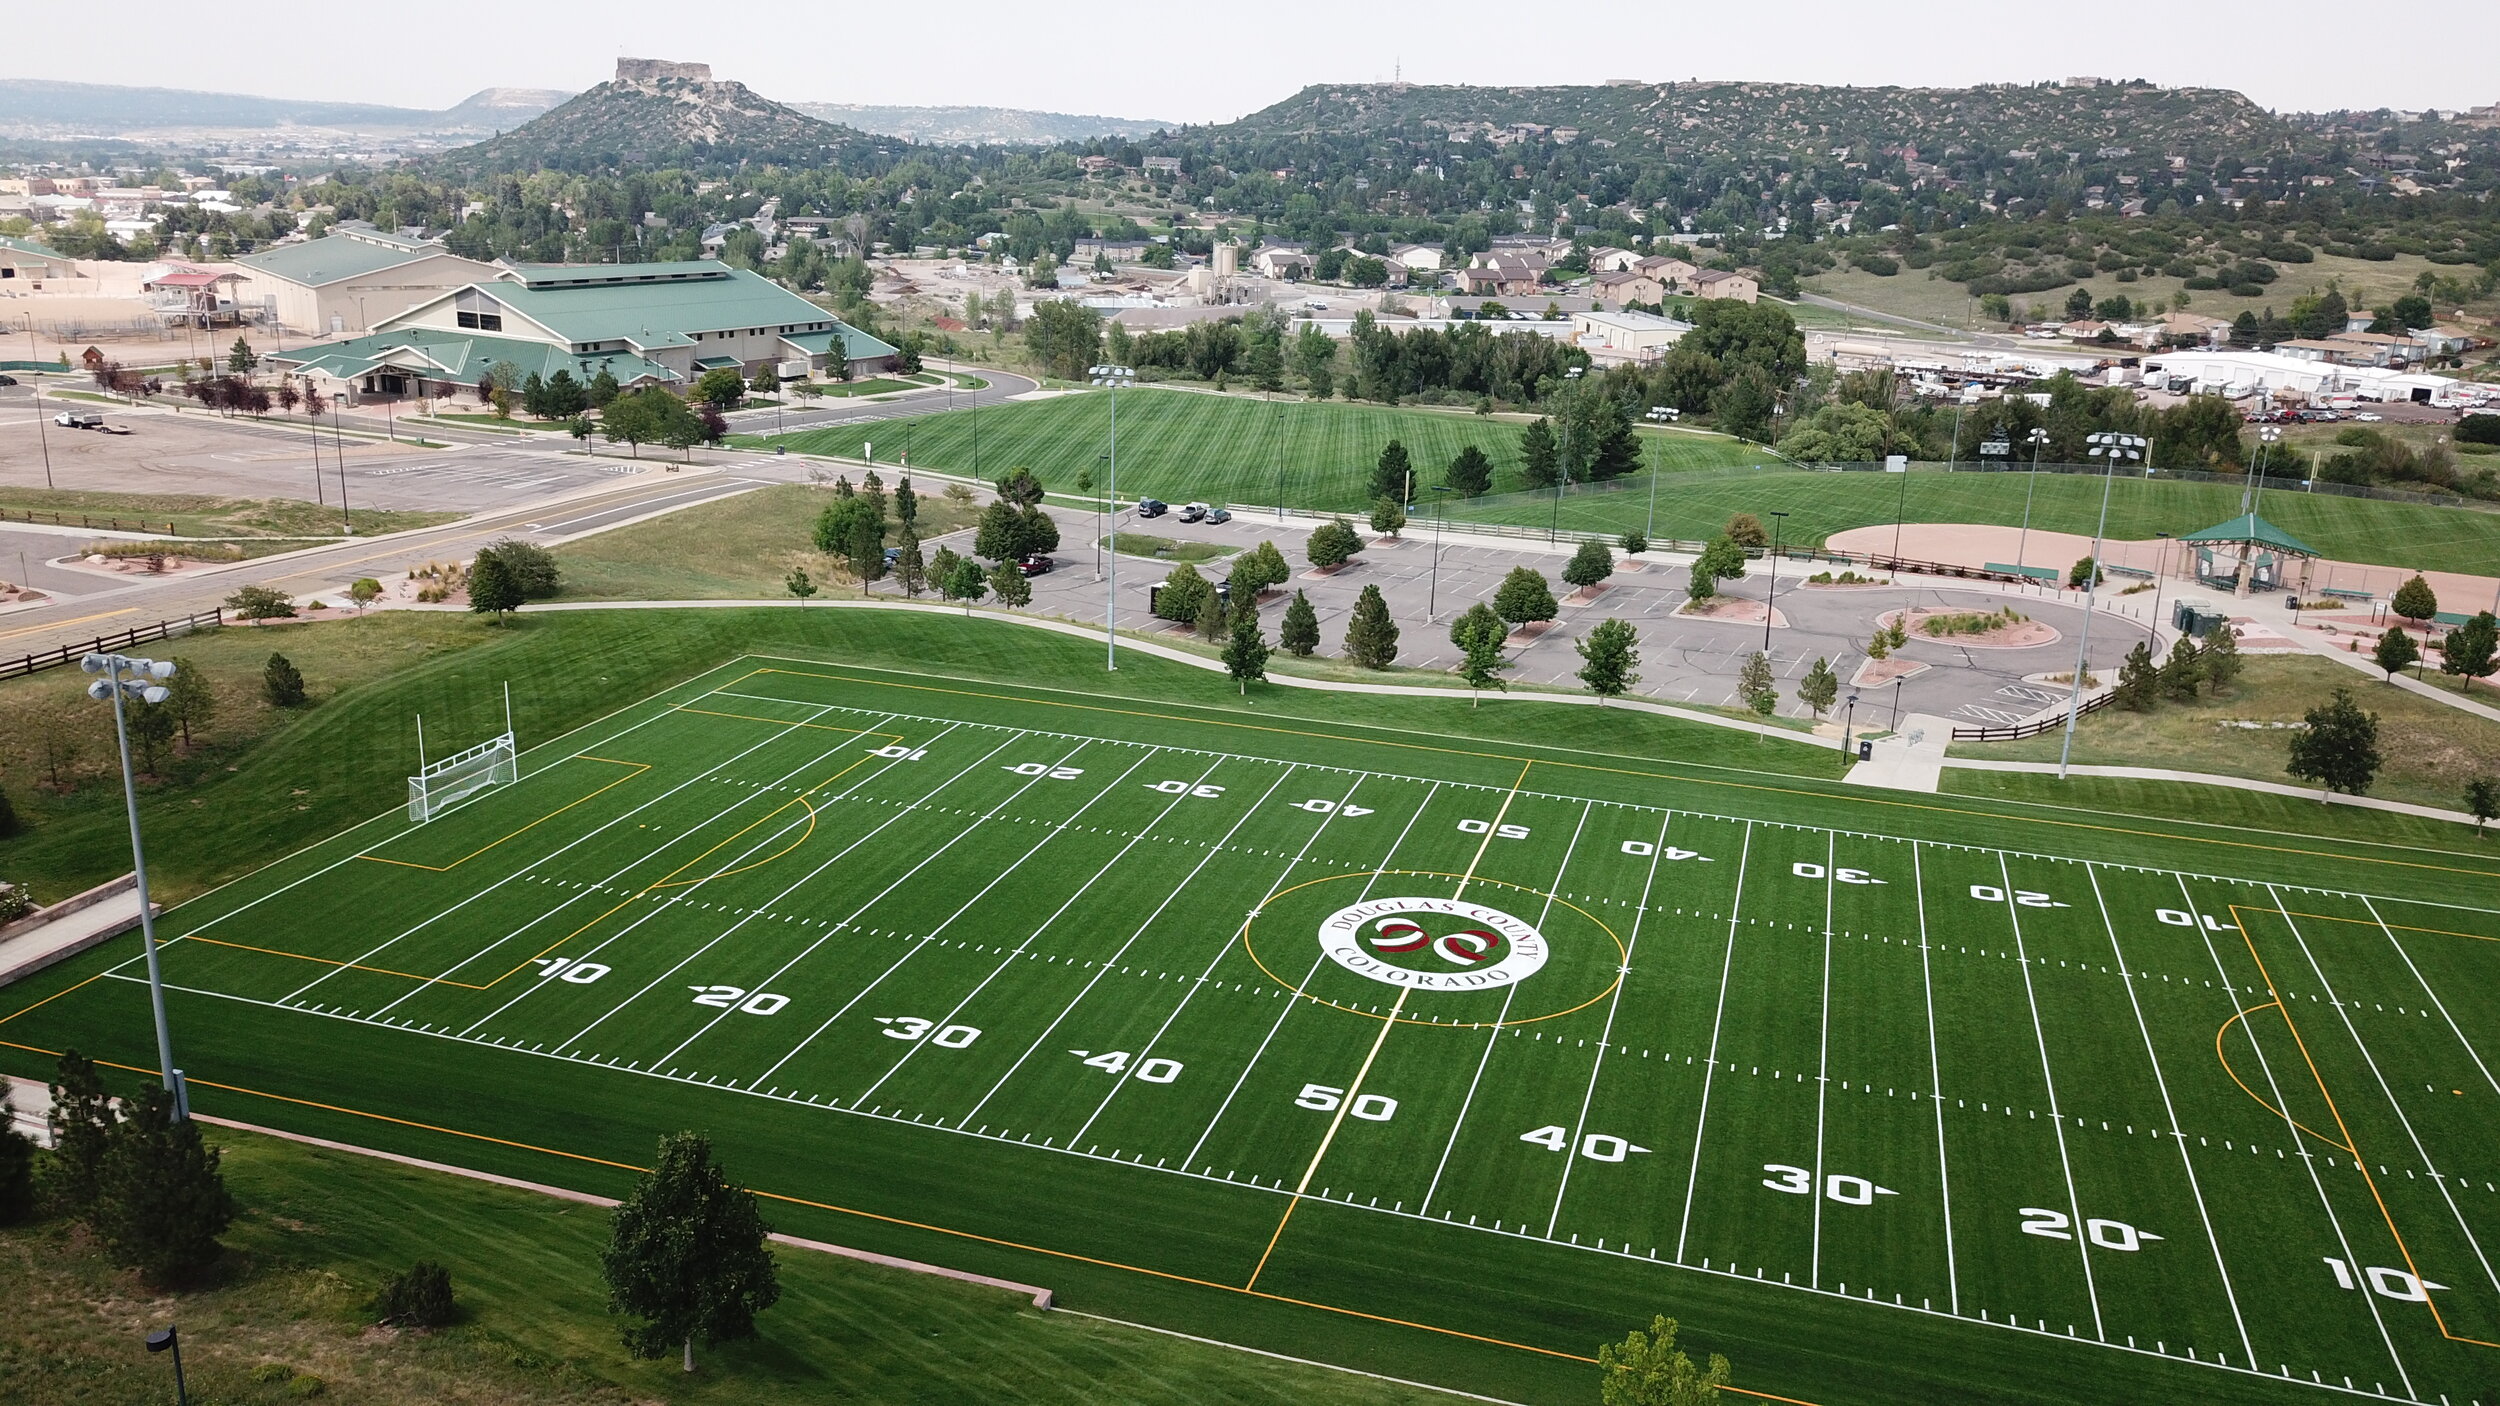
[439, 785]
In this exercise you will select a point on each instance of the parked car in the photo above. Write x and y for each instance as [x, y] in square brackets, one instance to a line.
[1193, 512]
[1036, 564]
[2369, 417]
[1152, 507]
[78, 419]
[1218, 515]
[6, 380]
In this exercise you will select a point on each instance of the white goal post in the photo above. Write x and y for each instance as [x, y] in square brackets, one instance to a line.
[438, 785]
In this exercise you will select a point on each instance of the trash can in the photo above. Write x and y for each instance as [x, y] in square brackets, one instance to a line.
[2292, 601]
[1866, 751]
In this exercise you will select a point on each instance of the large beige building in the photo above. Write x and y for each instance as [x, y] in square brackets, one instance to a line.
[355, 278]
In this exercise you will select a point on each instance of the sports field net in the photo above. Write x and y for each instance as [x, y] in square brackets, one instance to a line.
[442, 784]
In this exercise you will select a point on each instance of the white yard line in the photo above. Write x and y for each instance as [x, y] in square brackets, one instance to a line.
[1045, 925]
[525, 870]
[1935, 1082]
[1710, 1069]
[2292, 1130]
[1823, 1056]
[2074, 1203]
[2170, 1113]
[688, 891]
[2442, 1006]
[1104, 968]
[925, 860]
[1623, 977]
[2430, 1168]
[1290, 1004]
[1494, 1037]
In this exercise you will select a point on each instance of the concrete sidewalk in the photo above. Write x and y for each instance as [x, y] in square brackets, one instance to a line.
[69, 927]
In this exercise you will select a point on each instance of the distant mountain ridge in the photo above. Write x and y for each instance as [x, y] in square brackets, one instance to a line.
[106, 109]
[982, 126]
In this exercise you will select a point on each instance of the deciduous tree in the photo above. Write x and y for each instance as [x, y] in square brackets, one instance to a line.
[1388, 518]
[189, 699]
[2468, 651]
[2482, 801]
[1589, 566]
[1009, 583]
[493, 590]
[1332, 543]
[1647, 1369]
[2415, 601]
[1479, 634]
[2338, 748]
[1524, 596]
[2395, 652]
[1610, 653]
[687, 1256]
[1184, 594]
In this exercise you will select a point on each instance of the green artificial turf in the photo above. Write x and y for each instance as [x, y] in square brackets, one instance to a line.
[980, 961]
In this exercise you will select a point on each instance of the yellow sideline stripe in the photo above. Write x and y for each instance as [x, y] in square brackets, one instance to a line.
[639, 769]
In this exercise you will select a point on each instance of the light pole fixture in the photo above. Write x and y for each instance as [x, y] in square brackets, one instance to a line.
[1112, 378]
[1778, 520]
[144, 680]
[2038, 437]
[169, 1339]
[1658, 415]
[2113, 449]
[1562, 476]
[1849, 721]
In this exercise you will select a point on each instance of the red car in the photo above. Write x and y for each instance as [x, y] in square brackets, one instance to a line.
[1036, 564]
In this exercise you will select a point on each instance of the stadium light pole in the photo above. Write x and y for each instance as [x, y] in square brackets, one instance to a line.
[2161, 560]
[1440, 510]
[143, 679]
[2038, 437]
[1562, 479]
[2256, 494]
[1112, 377]
[2111, 448]
[1778, 521]
[1280, 463]
[1658, 415]
[41, 437]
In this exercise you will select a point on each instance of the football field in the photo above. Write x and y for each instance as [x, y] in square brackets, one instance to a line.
[1432, 1056]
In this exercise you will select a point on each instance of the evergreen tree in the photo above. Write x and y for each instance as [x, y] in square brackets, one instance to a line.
[160, 1202]
[1821, 687]
[281, 682]
[688, 1255]
[942, 571]
[82, 1123]
[2415, 601]
[1540, 460]
[2468, 651]
[1245, 653]
[1009, 583]
[1471, 473]
[1758, 686]
[1524, 596]
[910, 572]
[1371, 637]
[1000, 533]
[2395, 652]
[11, 825]
[1589, 566]
[2338, 749]
[2138, 679]
[420, 1298]
[1393, 477]
[603, 389]
[17, 1168]
[1247, 578]
[2183, 671]
[906, 502]
[1299, 631]
[492, 587]
[1610, 652]
[2221, 660]
[1211, 616]
[189, 699]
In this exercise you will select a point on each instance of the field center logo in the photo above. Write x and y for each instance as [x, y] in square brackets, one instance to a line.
[1433, 944]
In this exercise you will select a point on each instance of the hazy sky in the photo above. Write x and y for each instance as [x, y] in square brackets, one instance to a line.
[1213, 63]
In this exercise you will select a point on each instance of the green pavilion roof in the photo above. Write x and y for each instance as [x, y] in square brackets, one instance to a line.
[2250, 528]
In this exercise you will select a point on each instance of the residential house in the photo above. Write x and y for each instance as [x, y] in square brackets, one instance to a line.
[1500, 274]
[1667, 269]
[1612, 260]
[2378, 348]
[1281, 260]
[1715, 283]
[2359, 320]
[1617, 290]
[1416, 258]
[2181, 327]
[644, 324]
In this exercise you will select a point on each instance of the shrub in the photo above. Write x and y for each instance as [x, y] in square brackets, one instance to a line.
[530, 567]
[420, 1298]
[282, 682]
[15, 902]
[260, 603]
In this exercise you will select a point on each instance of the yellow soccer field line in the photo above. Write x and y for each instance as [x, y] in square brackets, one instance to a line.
[1762, 787]
[639, 769]
[780, 722]
[2224, 1030]
[2360, 1163]
[325, 961]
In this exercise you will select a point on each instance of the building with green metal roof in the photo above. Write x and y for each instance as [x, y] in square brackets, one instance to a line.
[653, 323]
[25, 261]
[2246, 554]
[354, 278]
[662, 323]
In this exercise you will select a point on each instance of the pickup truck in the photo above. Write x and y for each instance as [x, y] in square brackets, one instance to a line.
[79, 420]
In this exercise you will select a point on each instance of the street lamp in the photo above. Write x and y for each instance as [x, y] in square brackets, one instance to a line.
[142, 679]
[1112, 377]
[1848, 723]
[1280, 463]
[2161, 560]
[1562, 479]
[45, 439]
[170, 1340]
[338, 448]
[1658, 415]
[2038, 437]
[1432, 597]
[2112, 449]
[1778, 521]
